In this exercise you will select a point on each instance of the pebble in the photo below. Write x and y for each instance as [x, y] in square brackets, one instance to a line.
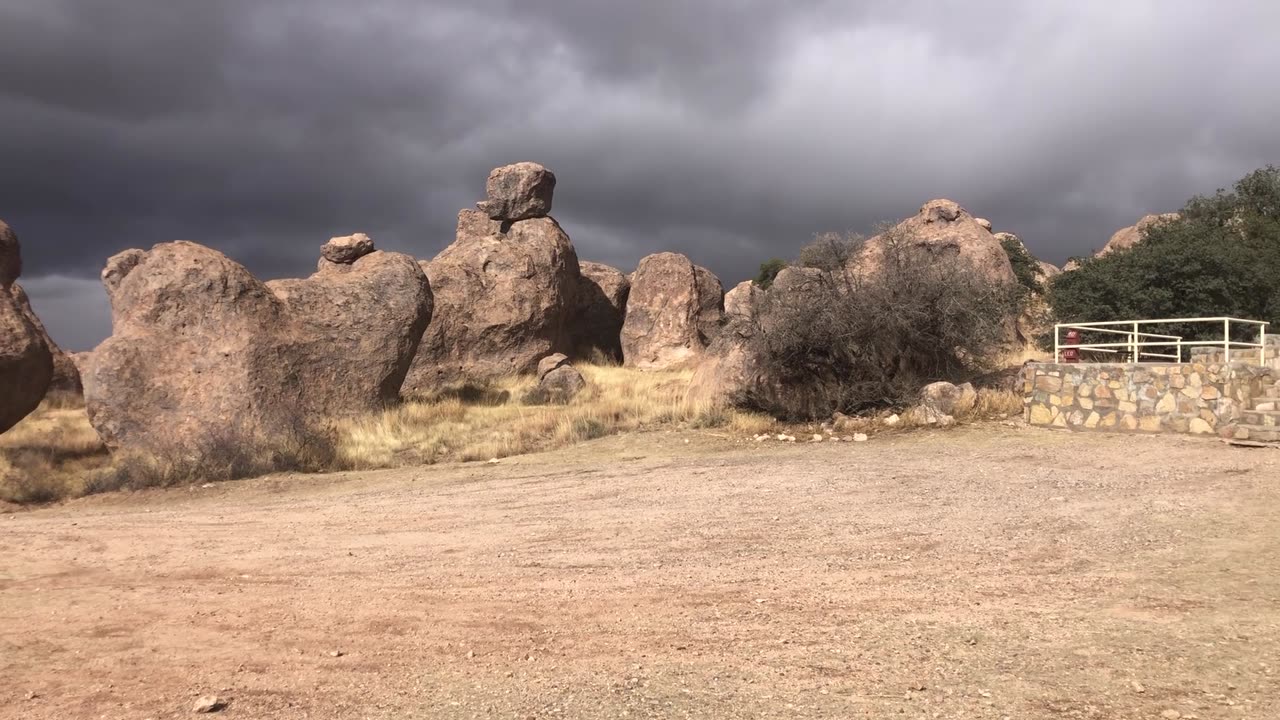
[1171, 714]
[860, 437]
[208, 704]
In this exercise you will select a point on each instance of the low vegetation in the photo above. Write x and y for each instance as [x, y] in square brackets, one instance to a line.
[852, 340]
[483, 423]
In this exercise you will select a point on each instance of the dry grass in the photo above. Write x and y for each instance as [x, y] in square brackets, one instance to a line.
[485, 423]
[50, 454]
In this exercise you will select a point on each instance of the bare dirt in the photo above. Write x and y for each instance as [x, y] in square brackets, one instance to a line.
[976, 573]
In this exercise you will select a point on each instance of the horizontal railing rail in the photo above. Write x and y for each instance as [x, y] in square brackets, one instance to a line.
[1171, 347]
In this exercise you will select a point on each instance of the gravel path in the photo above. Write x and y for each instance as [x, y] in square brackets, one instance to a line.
[977, 573]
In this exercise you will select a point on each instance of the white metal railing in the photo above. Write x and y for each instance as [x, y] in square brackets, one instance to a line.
[1170, 346]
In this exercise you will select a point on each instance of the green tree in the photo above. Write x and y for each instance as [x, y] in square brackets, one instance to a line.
[1221, 257]
[1025, 267]
[769, 270]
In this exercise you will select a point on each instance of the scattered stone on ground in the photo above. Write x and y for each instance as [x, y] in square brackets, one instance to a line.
[208, 704]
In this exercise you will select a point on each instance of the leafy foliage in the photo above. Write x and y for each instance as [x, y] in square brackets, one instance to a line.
[847, 339]
[1221, 257]
[769, 270]
[1025, 267]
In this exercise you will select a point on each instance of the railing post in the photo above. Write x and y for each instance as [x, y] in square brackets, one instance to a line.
[1135, 356]
[1262, 344]
[1179, 341]
[1226, 340]
[1057, 327]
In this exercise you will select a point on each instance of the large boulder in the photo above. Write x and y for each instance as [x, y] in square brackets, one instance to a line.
[1125, 238]
[203, 355]
[26, 364]
[505, 293]
[66, 376]
[943, 230]
[518, 192]
[674, 311]
[601, 307]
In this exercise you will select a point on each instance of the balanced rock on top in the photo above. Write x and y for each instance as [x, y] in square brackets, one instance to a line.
[518, 192]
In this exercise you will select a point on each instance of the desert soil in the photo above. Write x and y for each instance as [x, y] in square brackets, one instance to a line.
[989, 572]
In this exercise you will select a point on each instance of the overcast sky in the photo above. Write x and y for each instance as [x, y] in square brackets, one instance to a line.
[728, 130]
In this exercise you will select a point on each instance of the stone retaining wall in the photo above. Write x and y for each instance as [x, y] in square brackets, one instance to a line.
[1196, 397]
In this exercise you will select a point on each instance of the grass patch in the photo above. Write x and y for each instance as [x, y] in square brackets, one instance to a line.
[482, 423]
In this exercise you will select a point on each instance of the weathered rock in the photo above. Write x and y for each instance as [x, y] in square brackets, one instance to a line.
[202, 353]
[505, 294]
[985, 223]
[26, 364]
[208, 704]
[948, 399]
[518, 192]
[346, 249]
[943, 230]
[742, 300]
[10, 256]
[551, 362]
[732, 369]
[673, 313]
[561, 385]
[601, 308]
[1128, 237]
[66, 376]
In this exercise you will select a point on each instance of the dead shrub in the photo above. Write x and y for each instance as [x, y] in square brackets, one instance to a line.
[858, 340]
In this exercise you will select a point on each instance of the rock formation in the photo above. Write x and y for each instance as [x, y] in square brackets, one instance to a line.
[505, 292]
[942, 229]
[26, 365]
[66, 376]
[742, 300]
[673, 313]
[518, 192]
[204, 354]
[558, 381]
[1128, 237]
[601, 306]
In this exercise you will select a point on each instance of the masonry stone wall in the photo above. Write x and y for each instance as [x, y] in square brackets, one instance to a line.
[1199, 397]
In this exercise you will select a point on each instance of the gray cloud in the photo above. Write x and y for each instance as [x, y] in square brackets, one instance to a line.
[728, 130]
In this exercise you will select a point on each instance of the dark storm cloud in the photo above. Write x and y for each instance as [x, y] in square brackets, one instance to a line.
[728, 130]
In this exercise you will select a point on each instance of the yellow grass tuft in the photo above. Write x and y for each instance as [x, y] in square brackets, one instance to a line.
[49, 454]
[491, 422]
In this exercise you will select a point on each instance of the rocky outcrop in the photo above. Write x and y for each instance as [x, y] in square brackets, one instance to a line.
[943, 230]
[731, 370]
[518, 192]
[66, 376]
[674, 312]
[203, 354]
[558, 381]
[505, 293]
[1125, 238]
[26, 364]
[601, 307]
[742, 300]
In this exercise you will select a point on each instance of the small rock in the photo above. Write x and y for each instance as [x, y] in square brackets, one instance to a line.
[209, 704]
[817, 438]
[892, 421]
[1137, 687]
[336, 653]
[348, 249]
[1171, 714]
[860, 437]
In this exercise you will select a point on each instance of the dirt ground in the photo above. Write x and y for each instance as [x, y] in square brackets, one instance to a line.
[977, 573]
